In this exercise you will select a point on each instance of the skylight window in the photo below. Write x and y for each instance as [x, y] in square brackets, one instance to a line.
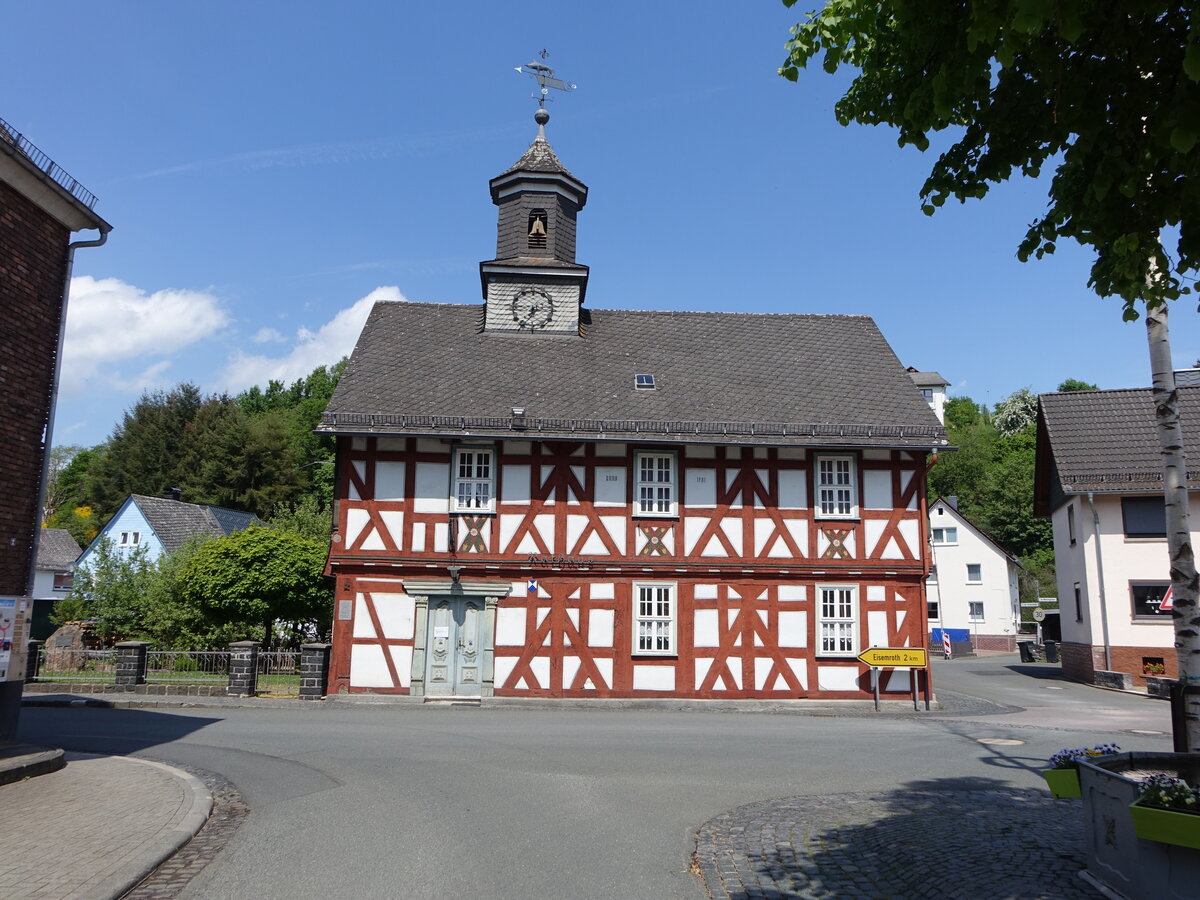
[643, 382]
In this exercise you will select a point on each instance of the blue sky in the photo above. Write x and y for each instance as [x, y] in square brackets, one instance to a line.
[270, 169]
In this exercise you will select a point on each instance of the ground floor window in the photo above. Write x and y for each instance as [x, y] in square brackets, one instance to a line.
[934, 610]
[838, 623]
[1148, 596]
[654, 618]
[975, 609]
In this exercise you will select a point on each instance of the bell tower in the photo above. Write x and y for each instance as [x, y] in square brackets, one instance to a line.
[534, 284]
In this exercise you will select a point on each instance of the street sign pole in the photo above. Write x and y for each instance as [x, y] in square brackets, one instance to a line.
[875, 685]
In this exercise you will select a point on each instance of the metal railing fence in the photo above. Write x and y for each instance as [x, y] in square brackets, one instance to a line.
[279, 672]
[187, 666]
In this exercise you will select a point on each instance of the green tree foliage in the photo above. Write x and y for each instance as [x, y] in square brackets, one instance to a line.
[254, 584]
[1074, 384]
[962, 412]
[307, 517]
[1016, 412]
[991, 474]
[113, 589]
[1106, 91]
[254, 452]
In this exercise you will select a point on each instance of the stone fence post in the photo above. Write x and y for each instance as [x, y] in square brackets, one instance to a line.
[243, 668]
[33, 660]
[131, 663]
[314, 670]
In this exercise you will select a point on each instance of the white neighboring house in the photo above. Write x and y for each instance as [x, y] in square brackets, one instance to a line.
[933, 388]
[973, 589]
[1099, 478]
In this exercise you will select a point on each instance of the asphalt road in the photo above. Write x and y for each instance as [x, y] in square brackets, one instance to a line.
[388, 801]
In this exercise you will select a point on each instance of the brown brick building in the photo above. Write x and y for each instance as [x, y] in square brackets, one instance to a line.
[40, 206]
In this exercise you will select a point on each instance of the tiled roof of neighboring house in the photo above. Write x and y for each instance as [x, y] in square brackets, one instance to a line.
[175, 521]
[56, 550]
[423, 368]
[928, 379]
[1105, 442]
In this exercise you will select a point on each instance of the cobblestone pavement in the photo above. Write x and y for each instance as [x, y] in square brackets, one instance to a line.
[94, 828]
[229, 809]
[1011, 844]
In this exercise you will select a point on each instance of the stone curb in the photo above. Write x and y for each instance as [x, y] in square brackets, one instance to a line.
[151, 854]
[21, 761]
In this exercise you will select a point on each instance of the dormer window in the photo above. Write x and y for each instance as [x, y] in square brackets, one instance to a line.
[537, 229]
[643, 382]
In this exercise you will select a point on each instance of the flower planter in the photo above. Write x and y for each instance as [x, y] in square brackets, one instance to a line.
[1120, 862]
[1167, 826]
[1063, 783]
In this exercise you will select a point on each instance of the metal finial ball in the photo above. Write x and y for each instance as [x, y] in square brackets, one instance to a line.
[541, 117]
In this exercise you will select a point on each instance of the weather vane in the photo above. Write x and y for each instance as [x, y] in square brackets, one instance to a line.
[544, 76]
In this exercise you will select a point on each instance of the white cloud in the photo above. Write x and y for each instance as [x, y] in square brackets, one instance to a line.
[268, 336]
[110, 322]
[323, 347]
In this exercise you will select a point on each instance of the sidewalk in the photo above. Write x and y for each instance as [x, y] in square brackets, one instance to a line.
[95, 828]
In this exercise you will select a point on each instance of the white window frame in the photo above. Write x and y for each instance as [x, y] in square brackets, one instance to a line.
[933, 610]
[662, 500]
[972, 605]
[978, 580]
[130, 538]
[944, 542]
[473, 480]
[833, 498]
[660, 626]
[932, 578]
[837, 632]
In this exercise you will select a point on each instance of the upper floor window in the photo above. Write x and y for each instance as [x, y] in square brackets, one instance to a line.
[927, 393]
[838, 623]
[932, 579]
[654, 619]
[654, 488]
[130, 538]
[63, 581]
[934, 609]
[974, 573]
[945, 535]
[1144, 517]
[474, 480]
[1071, 523]
[836, 494]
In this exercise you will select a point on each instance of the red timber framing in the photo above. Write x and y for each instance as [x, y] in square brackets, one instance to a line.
[745, 557]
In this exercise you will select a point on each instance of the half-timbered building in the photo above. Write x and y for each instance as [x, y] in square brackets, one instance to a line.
[536, 498]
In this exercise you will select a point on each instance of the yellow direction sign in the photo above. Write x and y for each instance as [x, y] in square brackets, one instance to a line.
[895, 657]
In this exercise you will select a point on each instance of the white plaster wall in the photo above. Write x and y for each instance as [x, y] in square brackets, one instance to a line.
[1124, 560]
[952, 591]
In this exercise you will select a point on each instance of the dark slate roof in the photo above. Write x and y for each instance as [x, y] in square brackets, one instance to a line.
[427, 368]
[56, 550]
[175, 521]
[540, 157]
[1105, 442]
[928, 379]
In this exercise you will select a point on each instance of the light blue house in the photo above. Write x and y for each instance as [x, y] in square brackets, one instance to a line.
[164, 525]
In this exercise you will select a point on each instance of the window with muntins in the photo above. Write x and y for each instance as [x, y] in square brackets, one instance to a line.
[474, 480]
[935, 611]
[838, 623]
[655, 484]
[836, 494]
[654, 619]
[130, 538]
[945, 535]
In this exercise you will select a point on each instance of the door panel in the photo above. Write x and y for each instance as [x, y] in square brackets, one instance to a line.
[452, 669]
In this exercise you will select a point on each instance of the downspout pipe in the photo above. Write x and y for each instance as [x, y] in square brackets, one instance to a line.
[1100, 583]
[48, 435]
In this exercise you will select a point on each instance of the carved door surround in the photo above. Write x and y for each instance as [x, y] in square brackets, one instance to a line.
[465, 646]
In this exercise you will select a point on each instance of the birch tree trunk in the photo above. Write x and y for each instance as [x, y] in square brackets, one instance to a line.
[1184, 582]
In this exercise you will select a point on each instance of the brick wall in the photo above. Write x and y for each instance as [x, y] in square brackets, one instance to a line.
[1079, 661]
[33, 259]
